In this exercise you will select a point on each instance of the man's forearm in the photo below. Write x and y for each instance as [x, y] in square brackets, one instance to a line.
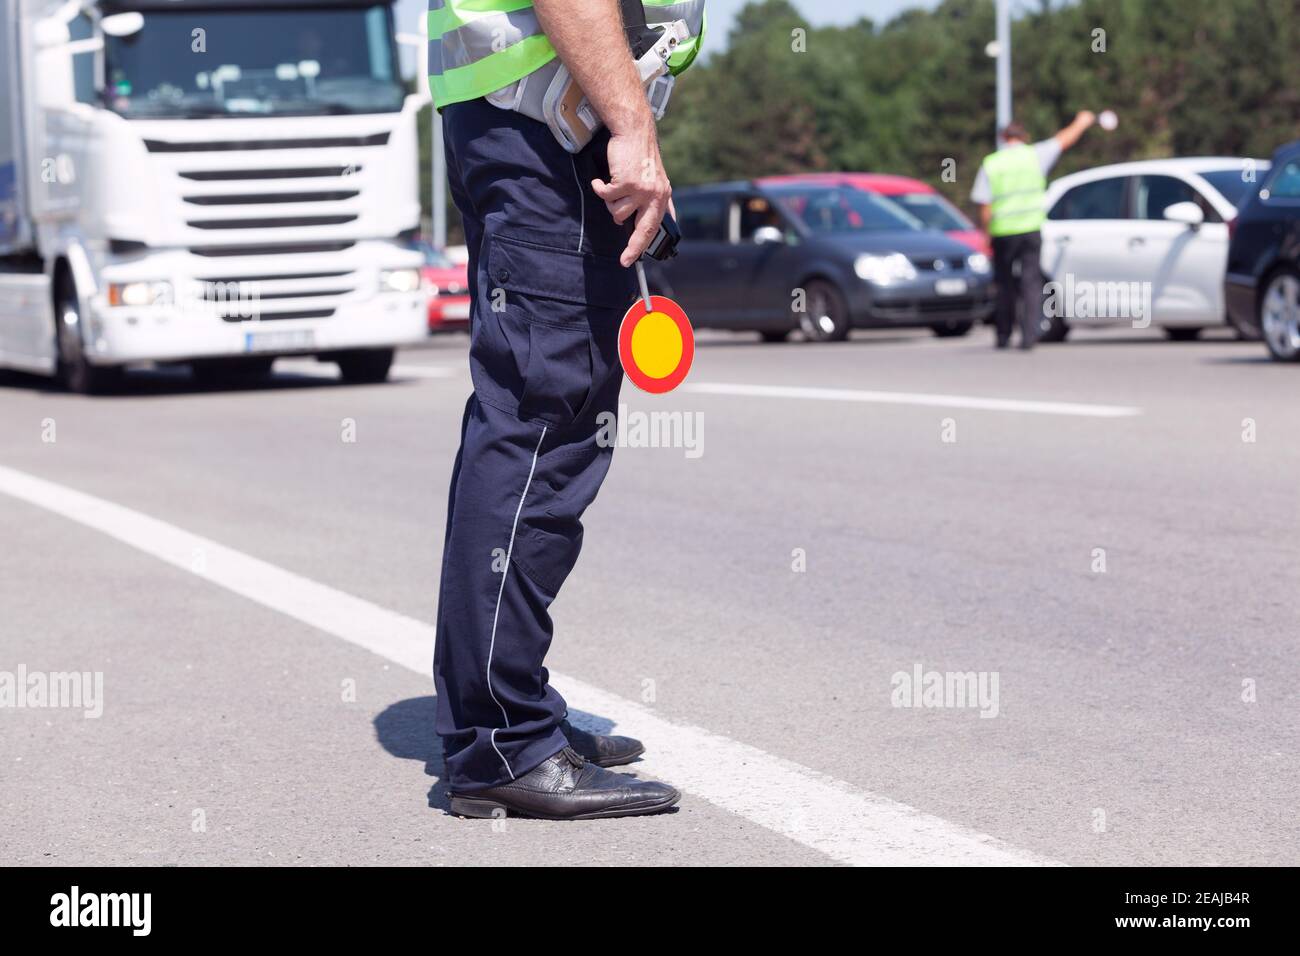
[588, 36]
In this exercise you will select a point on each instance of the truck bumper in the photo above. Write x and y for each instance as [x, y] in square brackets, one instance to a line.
[121, 335]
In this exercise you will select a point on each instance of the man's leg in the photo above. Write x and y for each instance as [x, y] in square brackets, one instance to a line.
[548, 296]
[1031, 288]
[1003, 274]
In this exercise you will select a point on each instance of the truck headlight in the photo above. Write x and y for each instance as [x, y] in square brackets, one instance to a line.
[882, 270]
[399, 280]
[979, 264]
[139, 293]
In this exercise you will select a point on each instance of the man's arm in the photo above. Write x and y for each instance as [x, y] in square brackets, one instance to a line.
[1067, 137]
[986, 216]
[588, 36]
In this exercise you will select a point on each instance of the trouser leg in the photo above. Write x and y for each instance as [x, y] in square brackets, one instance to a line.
[547, 298]
[1031, 288]
[1004, 274]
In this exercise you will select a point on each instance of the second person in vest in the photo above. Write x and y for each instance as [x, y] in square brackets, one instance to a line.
[1011, 190]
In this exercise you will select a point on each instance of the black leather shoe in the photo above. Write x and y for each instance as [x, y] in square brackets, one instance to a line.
[600, 749]
[566, 787]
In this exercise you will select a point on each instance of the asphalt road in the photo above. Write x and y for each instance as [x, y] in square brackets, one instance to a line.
[855, 511]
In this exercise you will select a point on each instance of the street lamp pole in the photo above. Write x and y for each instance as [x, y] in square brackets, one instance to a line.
[1004, 63]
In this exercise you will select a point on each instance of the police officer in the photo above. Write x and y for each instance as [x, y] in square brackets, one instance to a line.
[551, 236]
[1011, 189]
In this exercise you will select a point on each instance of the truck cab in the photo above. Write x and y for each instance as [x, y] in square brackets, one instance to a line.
[216, 182]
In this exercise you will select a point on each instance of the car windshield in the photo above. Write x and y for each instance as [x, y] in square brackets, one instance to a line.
[827, 209]
[256, 61]
[933, 211]
[1238, 183]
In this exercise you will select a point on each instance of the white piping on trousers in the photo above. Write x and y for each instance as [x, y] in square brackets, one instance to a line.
[582, 202]
[497, 613]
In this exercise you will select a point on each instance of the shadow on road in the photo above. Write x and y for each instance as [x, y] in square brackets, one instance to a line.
[405, 730]
[178, 381]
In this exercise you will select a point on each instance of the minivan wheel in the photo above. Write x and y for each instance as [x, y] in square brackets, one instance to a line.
[952, 330]
[1279, 315]
[826, 318]
[74, 372]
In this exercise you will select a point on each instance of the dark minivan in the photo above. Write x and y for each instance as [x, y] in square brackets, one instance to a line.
[1262, 286]
[823, 259]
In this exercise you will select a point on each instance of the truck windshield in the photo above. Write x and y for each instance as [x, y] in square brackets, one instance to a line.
[255, 61]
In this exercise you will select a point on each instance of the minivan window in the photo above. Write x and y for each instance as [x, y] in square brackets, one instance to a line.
[1102, 199]
[702, 217]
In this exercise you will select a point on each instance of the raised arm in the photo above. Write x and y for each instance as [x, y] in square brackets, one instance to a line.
[1067, 137]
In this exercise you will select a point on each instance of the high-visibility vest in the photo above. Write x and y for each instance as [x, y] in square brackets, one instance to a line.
[479, 46]
[1019, 191]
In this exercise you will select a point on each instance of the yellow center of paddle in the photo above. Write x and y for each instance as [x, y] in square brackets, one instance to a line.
[657, 345]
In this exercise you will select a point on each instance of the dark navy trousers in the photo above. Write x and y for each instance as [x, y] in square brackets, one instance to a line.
[548, 294]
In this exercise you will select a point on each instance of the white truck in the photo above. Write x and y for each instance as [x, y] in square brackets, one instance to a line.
[217, 183]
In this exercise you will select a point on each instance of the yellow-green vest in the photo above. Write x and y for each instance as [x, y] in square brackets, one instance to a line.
[1019, 191]
[479, 46]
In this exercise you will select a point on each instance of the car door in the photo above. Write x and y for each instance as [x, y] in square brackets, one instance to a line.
[761, 260]
[692, 278]
[1087, 243]
[1183, 264]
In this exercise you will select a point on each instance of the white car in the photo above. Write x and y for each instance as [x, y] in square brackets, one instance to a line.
[1142, 244]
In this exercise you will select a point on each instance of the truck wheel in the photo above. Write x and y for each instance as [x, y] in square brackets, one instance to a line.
[952, 330]
[232, 373]
[827, 315]
[365, 366]
[74, 372]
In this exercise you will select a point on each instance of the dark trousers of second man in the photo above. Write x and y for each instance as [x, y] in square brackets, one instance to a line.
[1025, 289]
[548, 294]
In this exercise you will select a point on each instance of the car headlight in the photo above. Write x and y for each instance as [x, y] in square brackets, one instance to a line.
[979, 264]
[882, 270]
[399, 280]
[139, 293]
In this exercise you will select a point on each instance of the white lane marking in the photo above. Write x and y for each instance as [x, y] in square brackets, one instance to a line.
[496, 614]
[914, 398]
[846, 824]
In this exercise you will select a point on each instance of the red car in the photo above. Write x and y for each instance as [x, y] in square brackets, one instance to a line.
[920, 199]
[448, 287]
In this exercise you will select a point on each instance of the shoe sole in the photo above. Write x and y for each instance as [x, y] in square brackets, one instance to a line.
[479, 808]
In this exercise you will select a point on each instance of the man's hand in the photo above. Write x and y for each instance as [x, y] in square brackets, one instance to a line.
[588, 36]
[638, 186]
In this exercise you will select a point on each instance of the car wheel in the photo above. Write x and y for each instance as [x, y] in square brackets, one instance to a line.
[365, 366]
[74, 372]
[775, 336]
[826, 318]
[1183, 335]
[1052, 328]
[232, 373]
[1279, 315]
[952, 330]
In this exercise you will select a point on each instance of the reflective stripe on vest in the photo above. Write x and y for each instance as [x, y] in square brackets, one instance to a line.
[478, 46]
[1019, 191]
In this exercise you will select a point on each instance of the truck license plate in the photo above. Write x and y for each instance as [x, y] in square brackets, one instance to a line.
[950, 287]
[279, 341]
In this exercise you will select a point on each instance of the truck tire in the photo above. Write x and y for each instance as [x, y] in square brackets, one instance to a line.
[365, 366]
[74, 372]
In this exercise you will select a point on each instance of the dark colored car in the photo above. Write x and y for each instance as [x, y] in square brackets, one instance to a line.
[822, 258]
[1262, 286]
